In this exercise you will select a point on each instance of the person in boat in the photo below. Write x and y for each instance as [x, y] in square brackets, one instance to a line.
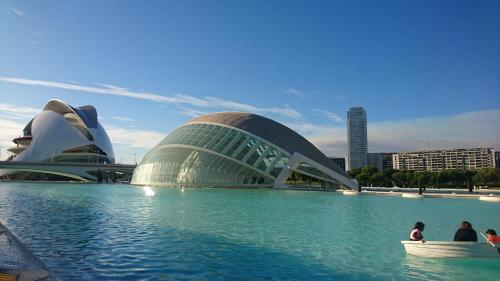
[416, 232]
[465, 233]
[491, 235]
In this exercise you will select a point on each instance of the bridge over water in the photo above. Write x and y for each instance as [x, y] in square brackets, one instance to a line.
[86, 172]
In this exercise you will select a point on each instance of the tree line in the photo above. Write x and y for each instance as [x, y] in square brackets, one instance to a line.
[453, 178]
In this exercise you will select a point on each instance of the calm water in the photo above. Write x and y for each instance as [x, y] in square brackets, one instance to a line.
[117, 232]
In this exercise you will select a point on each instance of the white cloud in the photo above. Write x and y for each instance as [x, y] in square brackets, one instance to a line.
[192, 112]
[121, 118]
[469, 129]
[330, 115]
[10, 129]
[295, 92]
[34, 37]
[17, 12]
[23, 111]
[33, 42]
[283, 111]
[35, 33]
[211, 102]
[134, 138]
[331, 140]
[13, 119]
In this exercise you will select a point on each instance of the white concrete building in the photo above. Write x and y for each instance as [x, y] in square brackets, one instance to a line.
[62, 133]
[437, 160]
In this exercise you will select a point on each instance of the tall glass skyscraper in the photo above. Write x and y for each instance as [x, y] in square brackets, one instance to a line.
[357, 140]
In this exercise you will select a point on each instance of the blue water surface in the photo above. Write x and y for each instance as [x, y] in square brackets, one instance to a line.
[123, 232]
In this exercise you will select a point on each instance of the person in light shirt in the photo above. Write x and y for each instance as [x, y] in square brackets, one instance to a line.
[416, 232]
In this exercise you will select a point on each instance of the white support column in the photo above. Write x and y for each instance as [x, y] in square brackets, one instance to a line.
[293, 163]
[297, 158]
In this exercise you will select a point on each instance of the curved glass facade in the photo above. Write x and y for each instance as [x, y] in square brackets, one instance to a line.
[237, 149]
[204, 154]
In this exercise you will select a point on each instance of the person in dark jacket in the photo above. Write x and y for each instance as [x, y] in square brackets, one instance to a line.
[465, 233]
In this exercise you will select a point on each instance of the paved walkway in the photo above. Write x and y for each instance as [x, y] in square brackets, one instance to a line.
[17, 262]
[485, 194]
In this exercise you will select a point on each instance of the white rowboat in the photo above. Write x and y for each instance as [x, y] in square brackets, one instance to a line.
[450, 249]
[412, 195]
[490, 198]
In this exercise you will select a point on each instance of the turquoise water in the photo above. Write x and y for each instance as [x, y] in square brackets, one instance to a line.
[118, 232]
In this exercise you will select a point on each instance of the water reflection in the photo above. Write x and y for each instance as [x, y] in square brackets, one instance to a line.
[148, 191]
[419, 268]
[116, 232]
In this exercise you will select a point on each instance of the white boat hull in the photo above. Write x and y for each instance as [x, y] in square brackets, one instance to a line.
[490, 198]
[450, 249]
[412, 195]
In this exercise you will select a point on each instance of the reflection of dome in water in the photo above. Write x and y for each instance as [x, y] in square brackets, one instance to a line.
[235, 149]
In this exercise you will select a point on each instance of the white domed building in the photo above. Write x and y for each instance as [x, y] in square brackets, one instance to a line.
[62, 133]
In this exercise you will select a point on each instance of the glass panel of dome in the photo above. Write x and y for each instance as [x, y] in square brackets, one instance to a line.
[262, 166]
[186, 139]
[226, 141]
[261, 149]
[313, 171]
[219, 135]
[193, 169]
[250, 147]
[282, 160]
[234, 145]
[175, 137]
[230, 142]
[260, 162]
[243, 149]
[190, 141]
[214, 163]
[203, 127]
[197, 139]
[208, 135]
[270, 157]
[169, 137]
[242, 146]
[253, 157]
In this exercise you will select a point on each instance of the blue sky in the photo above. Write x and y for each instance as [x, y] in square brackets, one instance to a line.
[427, 72]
